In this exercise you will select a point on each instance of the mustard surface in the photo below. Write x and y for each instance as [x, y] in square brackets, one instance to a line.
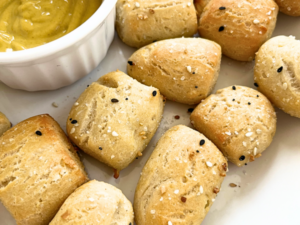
[29, 23]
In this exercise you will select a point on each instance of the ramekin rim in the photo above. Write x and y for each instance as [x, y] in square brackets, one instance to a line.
[62, 43]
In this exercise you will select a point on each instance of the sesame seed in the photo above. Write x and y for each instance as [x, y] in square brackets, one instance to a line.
[170, 223]
[163, 189]
[258, 131]
[197, 151]
[39, 133]
[112, 157]
[154, 93]
[245, 143]
[115, 134]
[242, 158]
[249, 134]
[114, 100]
[255, 151]
[284, 86]
[221, 28]
[72, 130]
[280, 69]
[152, 211]
[228, 133]
[189, 68]
[196, 86]
[202, 142]
[257, 95]
[176, 192]
[190, 110]
[233, 88]
[249, 103]
[222, 8]
[233, 100]
[131, 63]
[54, 104]
[91, 199]
[76, 103]
[209, 164]
[201, 189]
[73, 121]
[256, 84]
[177, 117]
[189, 4]
[183, 199]
[100, 148]
[137, 4]
[256, 21]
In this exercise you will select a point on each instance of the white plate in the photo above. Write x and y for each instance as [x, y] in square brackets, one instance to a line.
[269, 187]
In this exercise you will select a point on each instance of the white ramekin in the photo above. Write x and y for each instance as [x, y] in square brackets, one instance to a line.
[63, 61]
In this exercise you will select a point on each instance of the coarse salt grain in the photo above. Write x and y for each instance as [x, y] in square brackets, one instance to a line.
[152, 211]
[112, 157]
[256, 21]
[170, 223]
[176, 192]
[228, 133]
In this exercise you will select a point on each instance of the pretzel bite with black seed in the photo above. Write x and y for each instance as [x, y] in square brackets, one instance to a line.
[39, 169]
[185, 70]
[277, 73]
[180, 181]
[240, 121]
[240, 27]
[115, 118]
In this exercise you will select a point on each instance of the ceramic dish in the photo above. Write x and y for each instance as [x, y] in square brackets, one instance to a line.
[267, 191]
[63, 61]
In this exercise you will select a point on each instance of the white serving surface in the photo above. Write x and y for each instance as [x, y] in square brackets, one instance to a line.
[269, 187]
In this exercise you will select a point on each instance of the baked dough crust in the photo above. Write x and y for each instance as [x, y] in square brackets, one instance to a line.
[39, 169]
[240, 121]
[181, 179]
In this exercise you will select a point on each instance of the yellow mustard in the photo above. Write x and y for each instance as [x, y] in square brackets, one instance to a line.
[30, 23]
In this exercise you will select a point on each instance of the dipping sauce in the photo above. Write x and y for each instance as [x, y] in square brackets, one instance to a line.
[30, 23]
